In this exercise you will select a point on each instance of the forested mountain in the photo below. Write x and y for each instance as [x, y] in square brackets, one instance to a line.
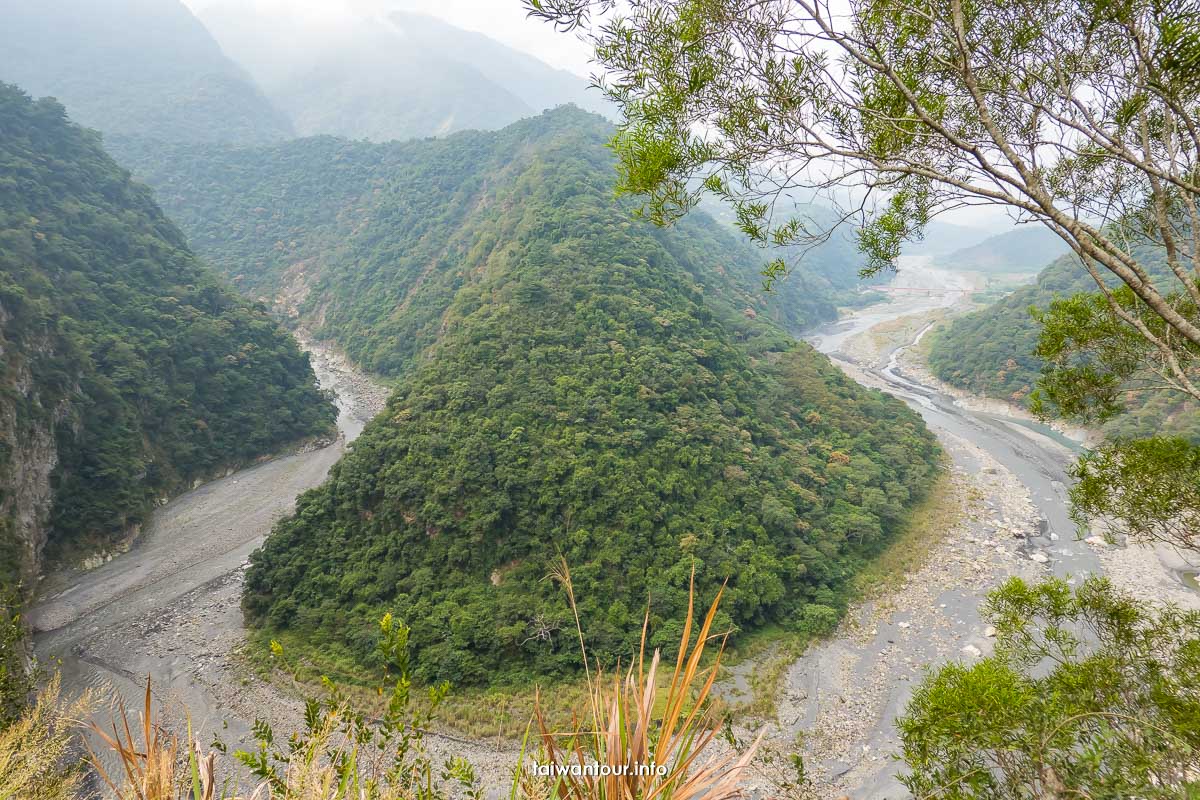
[1026, 249]
[354, 236]
[570, 381]
[387, 76]
[128, 370]
[144, 67]
[991, 351]
[830, 268]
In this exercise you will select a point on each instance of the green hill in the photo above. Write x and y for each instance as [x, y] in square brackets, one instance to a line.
[991, 351]
[367, 240]
[144, 67]
[128, 369]
[569, 381]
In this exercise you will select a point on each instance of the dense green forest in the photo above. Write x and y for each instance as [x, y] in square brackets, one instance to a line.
[373, 240]
[138, 367]
[572, 382]
[144, 67]
[991, 351]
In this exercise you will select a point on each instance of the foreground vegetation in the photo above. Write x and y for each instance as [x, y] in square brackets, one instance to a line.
[1088, 693]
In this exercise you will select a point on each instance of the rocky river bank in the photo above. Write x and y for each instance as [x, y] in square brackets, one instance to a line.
[170, 607]
[1009, 476]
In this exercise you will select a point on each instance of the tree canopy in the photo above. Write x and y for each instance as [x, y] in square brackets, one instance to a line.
[143, 370]
[573, 384]
[1089, 694]
[1078, 115]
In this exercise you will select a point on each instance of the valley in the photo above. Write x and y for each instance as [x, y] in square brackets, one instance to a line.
[171, 606]
[1010, 474]
[387, 387]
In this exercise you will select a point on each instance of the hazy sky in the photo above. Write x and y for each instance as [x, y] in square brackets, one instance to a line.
[503, 20]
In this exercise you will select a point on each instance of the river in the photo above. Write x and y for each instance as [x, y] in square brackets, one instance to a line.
[170, 606]
[1017, 443]
[844, 695]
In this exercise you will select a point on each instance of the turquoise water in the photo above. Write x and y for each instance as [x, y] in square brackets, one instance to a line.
[1045, 430]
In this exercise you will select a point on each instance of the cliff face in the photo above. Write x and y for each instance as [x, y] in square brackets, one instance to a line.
[28, 455]
[128, 370]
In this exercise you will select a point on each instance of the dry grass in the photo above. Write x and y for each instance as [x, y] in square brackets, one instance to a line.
[324, 764]
[495, 714]
[639, 740]
[149, 767]
[33, 750]
[937, 513]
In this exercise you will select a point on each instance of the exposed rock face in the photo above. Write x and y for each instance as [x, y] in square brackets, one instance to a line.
[28, 457]
[28, 494]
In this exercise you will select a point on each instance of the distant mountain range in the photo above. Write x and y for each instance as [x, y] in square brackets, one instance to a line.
[941, 238]
[143, 67]
[389, 76]
[253, 73]
[1024, 250]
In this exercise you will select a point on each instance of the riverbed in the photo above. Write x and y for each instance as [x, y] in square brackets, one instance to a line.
[170, 607]
[1011, 472]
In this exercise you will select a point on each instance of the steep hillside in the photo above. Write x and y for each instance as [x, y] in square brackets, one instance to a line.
[144, 67]
[991, 351]
[387, 76]
[1026, 249]
[128, 369]
[371, 241]
[830, 270]
[570, 381]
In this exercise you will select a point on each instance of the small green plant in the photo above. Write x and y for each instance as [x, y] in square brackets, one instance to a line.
[348, 754]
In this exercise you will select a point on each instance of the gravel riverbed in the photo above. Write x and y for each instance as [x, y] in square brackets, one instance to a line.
[170, 607]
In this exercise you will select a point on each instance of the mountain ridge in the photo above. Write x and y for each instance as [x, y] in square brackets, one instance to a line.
[129, 370]
[134, 67]
[316, 206]
[1023, 250]
[392, 76]
[991, 351]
